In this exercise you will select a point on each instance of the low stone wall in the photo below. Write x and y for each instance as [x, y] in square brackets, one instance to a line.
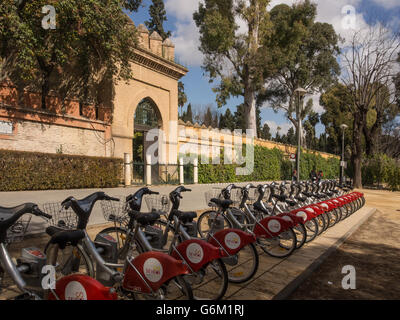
[193, 138]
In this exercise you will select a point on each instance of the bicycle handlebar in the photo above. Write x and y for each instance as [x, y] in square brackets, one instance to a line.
[111, 198]
[37, 212]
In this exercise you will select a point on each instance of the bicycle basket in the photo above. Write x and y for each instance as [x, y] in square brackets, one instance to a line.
[158, 202]
[211, 194]
[236, 196]
[115, 211]
[253, 195]
[61, 217]
[17, 231]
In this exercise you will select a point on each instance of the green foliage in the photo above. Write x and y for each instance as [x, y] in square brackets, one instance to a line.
[380, 169]
[222, 44]
[301, 53]
[158, 16]
[188, 115]
[394, 178]
[39, 171]
[93, 43]
[269, 164]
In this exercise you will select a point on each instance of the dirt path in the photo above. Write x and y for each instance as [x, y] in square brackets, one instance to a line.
[374, 251]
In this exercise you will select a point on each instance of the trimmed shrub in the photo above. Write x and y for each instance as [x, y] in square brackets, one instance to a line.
[269, 165]
[42, 171]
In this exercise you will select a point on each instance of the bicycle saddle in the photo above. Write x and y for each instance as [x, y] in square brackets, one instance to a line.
[145, 219]
[224, 204]
[259, 207]
[185, 217]
[52, 230]
[281, 198]
[69, 237]
[290, 202]
[302, 199]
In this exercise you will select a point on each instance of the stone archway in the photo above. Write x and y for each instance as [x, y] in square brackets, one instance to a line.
[147, 117]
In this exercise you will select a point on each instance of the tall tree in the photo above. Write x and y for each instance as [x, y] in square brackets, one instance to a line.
[158, 16]
[93, 42]
[227, 120]
[233, 57]
[291, 137]
[368, 64]
[337, 103]
[208, 117]
[397, 84]
[240, 117]
[188, 115]
[302, 54]
[182, 97]
[266, 132]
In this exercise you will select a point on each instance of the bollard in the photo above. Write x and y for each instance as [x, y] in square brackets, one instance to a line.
[196, 171]
[148, 169]
[181, 176]
[128, 169]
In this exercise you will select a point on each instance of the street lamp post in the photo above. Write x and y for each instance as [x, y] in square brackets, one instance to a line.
[301, 93]
[343, 127]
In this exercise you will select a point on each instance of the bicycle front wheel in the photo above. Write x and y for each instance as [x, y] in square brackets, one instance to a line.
[211, 222]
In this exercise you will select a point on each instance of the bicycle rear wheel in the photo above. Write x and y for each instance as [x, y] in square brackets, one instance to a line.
[176, 288]
[281, 246]
[243, 265]
[210, 282]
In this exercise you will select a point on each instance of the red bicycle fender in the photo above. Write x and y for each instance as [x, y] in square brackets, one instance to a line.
[81, 287]
[196, 253]
[303, 214]
[292, 218]
[326, 205]
[319, 210]
[155, 269]
[315, 211]
[271, 227]
[232, 240]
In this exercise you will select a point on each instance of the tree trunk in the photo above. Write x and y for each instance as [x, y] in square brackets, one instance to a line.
[45, 91]
[357, 149]
[250, 103]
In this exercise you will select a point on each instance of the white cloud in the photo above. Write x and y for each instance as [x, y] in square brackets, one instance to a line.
[182, 9]
[274, 127]
[187, 42]
[316, 106]
[388, 4]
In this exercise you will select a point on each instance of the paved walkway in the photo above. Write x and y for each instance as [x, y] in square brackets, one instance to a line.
[277, 278]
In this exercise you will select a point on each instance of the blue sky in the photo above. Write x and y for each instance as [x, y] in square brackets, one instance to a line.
[185, 37]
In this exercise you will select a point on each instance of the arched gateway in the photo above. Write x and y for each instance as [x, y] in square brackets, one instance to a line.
[147, 117]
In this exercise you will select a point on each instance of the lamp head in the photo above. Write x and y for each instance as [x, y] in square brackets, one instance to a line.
[301, 92]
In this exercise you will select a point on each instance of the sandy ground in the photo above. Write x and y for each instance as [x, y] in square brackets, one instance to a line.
[373, 250]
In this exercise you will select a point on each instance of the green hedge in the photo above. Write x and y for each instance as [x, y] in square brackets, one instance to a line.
[41, 171]
[269, 164]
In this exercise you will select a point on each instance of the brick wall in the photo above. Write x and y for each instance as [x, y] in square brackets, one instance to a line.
[40, 137]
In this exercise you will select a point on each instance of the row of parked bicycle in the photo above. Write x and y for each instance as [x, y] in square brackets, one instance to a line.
[166, 253]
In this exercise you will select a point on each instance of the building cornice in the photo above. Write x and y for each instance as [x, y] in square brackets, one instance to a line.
[154, 62]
